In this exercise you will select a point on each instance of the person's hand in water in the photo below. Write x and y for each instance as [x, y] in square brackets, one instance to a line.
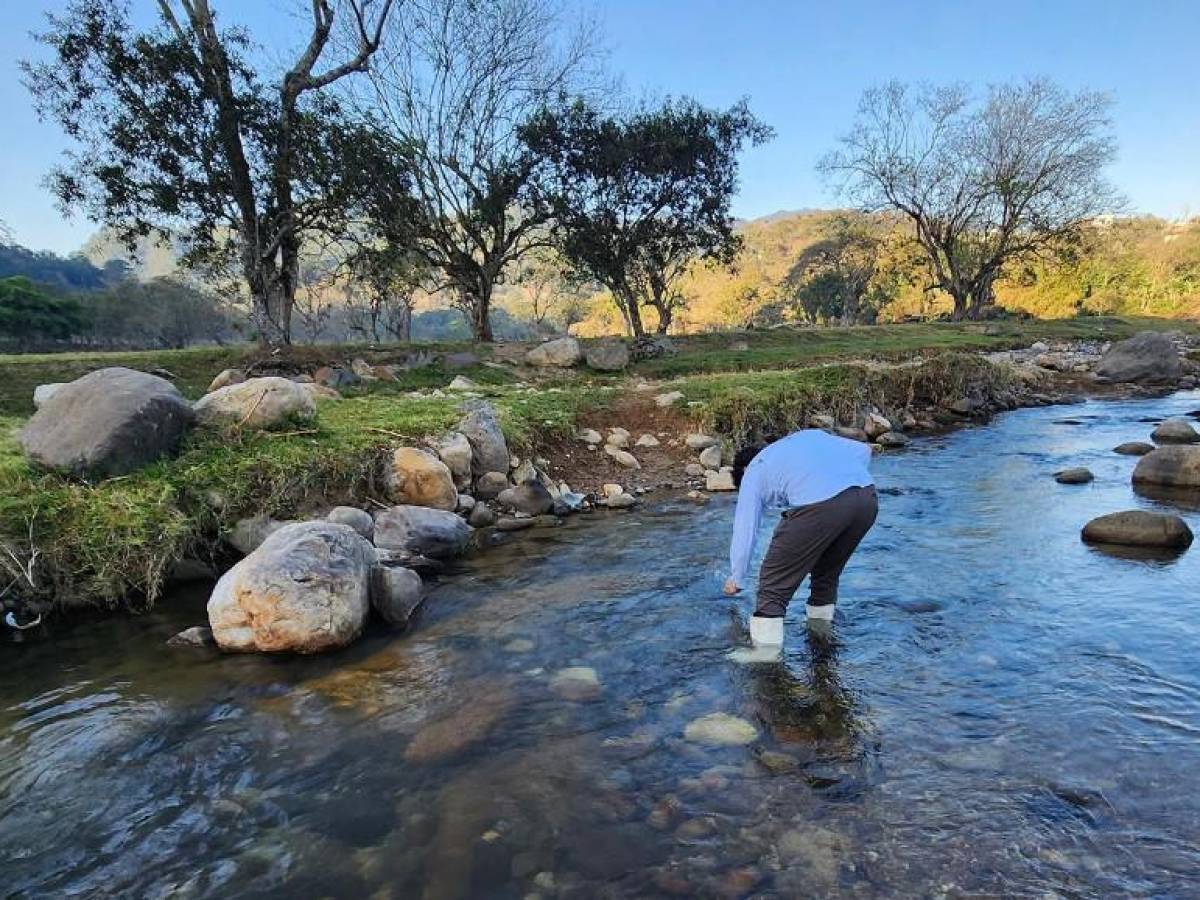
[731, 587]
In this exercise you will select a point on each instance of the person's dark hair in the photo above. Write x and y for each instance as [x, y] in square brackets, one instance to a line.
[742, 458]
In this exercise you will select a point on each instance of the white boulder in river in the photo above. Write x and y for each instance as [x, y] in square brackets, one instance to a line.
[109, 422]
[304, 590]
[435, 533]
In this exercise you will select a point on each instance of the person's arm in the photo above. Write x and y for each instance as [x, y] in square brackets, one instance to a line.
[745, 527]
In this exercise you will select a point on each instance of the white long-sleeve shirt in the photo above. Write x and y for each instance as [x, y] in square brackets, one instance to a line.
[805, 467]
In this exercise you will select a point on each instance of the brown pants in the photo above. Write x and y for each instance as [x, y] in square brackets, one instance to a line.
[817, 539]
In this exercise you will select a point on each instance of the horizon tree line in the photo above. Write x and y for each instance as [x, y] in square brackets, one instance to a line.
[437, 145]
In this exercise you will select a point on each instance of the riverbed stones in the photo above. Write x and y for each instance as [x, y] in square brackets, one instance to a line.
[667, 399]
[892, 440]
[720, 730]
[1139, 528]
[482, 430]
[481, 516]
[1173, 467]
[710, 457]
[43, 392]
[422, 530]
[694, 470]
[562, 353]
[455, 451]
[198, 636]
[530, 497]
[109, 422]
[700, 442]
[578, 684]
[358, 519]
[416, 477]
[875, 425]
[851, 433]
[395, 594]
[608, 356]
[489, 485]
[618, 437]
[647, 440]
[719, 480]
[1076, 475]
[1175, 431]
[622, 457]
[620, 501]
[465, 726]
[226, 377]
[823, 421]
[589, 436]
[1146, 357]
[462, 383]
[305, 590]
[335, 377]
[1133, 448]
[257, 403]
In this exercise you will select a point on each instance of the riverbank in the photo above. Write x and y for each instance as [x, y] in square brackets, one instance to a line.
[69, 544]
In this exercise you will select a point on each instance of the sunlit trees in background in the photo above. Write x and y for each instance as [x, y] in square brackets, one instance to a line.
[985, 183]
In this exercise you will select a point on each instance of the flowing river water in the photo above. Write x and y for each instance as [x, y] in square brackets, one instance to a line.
[999, 711]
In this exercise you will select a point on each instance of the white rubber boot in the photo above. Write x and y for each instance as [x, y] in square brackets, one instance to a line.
[820, 613]
[766, 638]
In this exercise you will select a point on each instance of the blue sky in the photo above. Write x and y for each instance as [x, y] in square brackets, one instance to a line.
[803, 65]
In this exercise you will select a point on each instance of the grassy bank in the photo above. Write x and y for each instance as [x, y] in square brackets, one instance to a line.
[116, 540]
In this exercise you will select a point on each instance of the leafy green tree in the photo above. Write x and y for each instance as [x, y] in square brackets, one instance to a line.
[31, 315]
[638, 199]
[984, 183]
[177, 132]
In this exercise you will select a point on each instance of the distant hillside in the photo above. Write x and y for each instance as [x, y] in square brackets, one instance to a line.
[155, 257]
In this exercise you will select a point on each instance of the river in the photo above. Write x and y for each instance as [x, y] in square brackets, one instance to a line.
[1001, 710]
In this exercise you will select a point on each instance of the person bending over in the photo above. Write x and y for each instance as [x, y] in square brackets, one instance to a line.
[824, 485]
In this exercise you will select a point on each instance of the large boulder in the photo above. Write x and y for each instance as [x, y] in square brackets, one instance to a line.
[418, 478]
[43, 392]
[358, 519]
[267, 402]
[1139, 528]
[109, 422]
[608, 356]
[489, 451]
[1149, 356]
[1172, 467]
[1175, 431]
[561, 352]
[304, 590]
[421, 530]
[226, 377]
[530, 497]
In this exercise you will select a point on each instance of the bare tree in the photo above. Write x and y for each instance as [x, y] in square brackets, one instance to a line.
[983, 182]
[457, 79]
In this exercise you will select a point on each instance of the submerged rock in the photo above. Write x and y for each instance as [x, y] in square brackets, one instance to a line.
[1174, 467]
[1139, 528]
[429, 532]
[109, 422]
[577, 684]
[1078, 475]
[1175, 431]
[306, 589]
[196, 636]
[450, 735]
[257, 403]
[1133, 448]
[1147, 357]
[720, 730]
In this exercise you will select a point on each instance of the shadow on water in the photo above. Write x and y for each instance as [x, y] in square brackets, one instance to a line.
[998, 710]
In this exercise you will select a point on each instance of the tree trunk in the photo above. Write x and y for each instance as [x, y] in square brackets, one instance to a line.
[961, 299]
[664, 318]
[481, 321]
[628, 305]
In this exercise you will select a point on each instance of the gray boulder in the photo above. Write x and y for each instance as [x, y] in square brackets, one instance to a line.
[481, 516]
[418, 529]
[306, 589]
[1172, 467]
[1078, 475]
[247, 535]
[109, 422]
[561, 353]
[43, 392]
[1146, 357]
[1133, 448]
[608, 356]
[257, 403]
[358, 519]
[489, 450]
[489, 485]
[395, 594]
[1139, 528]
[892, 439]
[530, 497]
[1175, 431]
[455, 451]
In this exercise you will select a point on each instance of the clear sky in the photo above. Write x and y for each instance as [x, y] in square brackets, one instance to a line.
[803, 66]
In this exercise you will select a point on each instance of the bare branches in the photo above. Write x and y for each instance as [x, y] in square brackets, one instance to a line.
[982, 183]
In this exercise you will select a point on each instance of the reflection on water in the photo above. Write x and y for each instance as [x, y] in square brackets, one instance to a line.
[998, 710]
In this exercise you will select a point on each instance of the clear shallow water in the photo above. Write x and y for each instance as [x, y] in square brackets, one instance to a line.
[1001, 710]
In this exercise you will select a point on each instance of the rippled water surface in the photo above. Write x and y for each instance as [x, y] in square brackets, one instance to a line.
[1000, 711]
